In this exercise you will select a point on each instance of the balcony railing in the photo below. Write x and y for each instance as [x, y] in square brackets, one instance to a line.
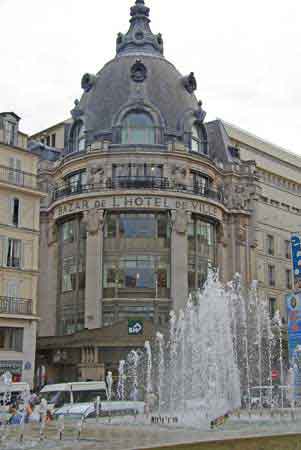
[129, 183]
[12, 305]
[18, 177]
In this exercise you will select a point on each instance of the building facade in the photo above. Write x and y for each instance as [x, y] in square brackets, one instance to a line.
[19, 250]
[143, 198]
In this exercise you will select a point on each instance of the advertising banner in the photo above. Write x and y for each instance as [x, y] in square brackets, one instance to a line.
[293, 305]
[296, 259]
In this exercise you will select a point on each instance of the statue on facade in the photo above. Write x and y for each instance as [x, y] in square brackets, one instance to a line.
[180, 221]
[96, 174]
[94, 220]
[179, 177]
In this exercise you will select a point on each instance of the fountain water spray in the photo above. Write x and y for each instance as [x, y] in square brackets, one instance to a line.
[121, 376]
[161, 368]
[277, 320]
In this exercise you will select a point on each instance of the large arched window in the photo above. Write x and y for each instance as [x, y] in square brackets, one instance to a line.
[198, 140]
[77, 141]
[138, 128]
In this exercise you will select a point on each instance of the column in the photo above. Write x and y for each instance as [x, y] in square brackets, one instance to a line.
[94, 251]
[222, 251]
[179, 259]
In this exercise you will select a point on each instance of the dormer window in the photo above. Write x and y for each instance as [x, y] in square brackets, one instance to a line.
[138, 129]
[198, 140]
[10, 132]
[77, 141]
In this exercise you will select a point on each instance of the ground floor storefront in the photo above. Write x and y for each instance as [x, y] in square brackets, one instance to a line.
[90, 354]
[17, 348]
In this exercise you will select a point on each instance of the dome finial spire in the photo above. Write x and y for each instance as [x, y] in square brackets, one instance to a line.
[139, 38]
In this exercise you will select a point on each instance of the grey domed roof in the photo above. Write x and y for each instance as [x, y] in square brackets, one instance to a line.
[138, 78]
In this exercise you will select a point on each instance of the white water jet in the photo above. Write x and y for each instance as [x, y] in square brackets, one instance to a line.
[161, 370]
[121, 376]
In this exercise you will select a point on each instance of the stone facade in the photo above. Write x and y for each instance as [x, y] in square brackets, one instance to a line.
[19, 251]
[143, 197]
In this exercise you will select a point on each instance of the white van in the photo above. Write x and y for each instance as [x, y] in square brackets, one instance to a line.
[58, 395]
[14, 390]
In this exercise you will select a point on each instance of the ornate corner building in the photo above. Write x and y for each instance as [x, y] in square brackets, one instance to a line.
[143, 197]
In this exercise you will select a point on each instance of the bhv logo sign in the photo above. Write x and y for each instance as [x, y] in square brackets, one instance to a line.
[135, 327]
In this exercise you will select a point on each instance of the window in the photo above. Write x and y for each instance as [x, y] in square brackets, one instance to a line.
[11, 339]
[78, 138]
[270, 245]
[137, 272]
[10, 133]
[48, 141]
[77, 180]
[14, 253]
[68, 231]
[201, 251]
[15, 211]
[12, 289]
[15, 175]
[53, 136]
[111, 226]
[69, 274]
[137, 170]
[288, 279]
[200, 183]
[198, 140]
[287, 249]
[271, 275]
[272, 306]
[138, 128]
[136, 226]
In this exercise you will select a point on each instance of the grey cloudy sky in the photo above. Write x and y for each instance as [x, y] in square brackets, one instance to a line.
[246, 56]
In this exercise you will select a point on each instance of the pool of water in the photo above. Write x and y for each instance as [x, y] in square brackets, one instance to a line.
[129, 434]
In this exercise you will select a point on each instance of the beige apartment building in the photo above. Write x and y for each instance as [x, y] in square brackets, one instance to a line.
[276, 213]
[19, 250]
[143, 197]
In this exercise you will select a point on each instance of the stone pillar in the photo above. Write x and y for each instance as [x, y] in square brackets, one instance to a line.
[93, 295]
[179, 260]
[221, 255]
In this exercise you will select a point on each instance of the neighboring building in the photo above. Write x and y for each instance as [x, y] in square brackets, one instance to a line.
[144, 197]
[55, 136]
[276, 213]
[19, 250]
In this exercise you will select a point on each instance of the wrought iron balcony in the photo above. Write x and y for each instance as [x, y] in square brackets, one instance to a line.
[12, 305]
[140, 183]
[18, 177]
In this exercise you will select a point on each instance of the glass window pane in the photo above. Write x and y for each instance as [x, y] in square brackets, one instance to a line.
[138, 129]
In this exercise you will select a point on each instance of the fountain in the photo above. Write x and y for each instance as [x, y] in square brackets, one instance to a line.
[208, 376]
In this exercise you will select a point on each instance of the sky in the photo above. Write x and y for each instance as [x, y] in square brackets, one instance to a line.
[246, 56]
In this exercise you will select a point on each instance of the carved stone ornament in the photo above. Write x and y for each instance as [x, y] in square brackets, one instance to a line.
[52, 232]
[190, 83]
[88, 81]
[94, 220]
[76, 112]
[138, 72]
[119, 38]
[180, 220]
[96, 174]
[200, 114]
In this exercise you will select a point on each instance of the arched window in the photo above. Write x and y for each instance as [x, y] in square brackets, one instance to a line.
[198, 140]
[138, 128]
[77, 142]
